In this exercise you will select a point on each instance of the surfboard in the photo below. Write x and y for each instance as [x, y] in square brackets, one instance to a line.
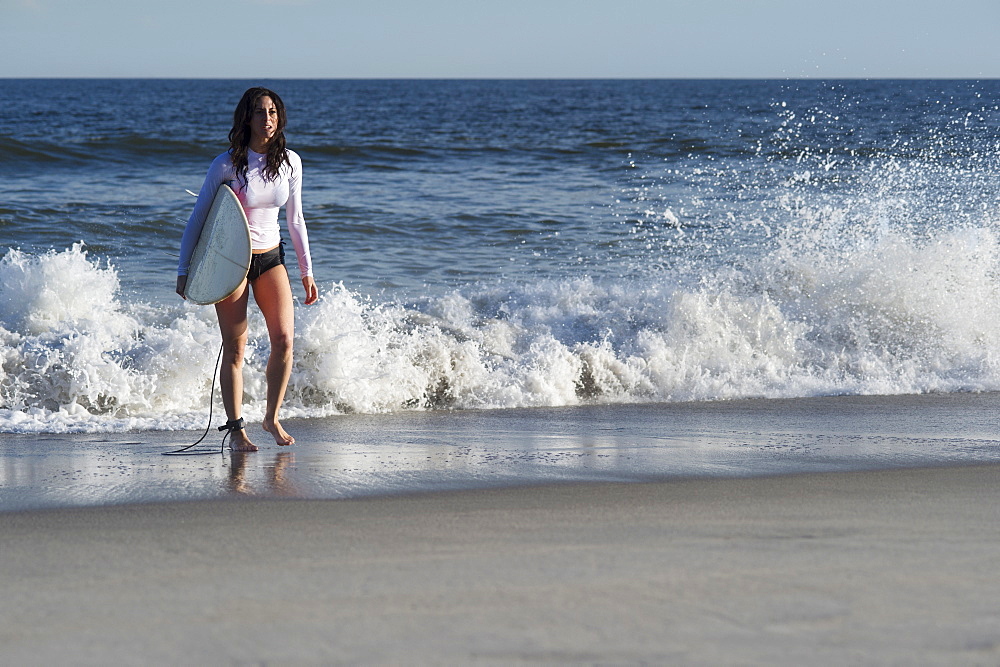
[221, 258]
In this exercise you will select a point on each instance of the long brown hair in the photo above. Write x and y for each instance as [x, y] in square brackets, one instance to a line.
[239, 136]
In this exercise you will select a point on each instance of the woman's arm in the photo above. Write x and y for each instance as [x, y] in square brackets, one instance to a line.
[297, 227]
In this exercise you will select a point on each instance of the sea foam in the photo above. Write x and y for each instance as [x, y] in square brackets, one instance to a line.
[822, 312]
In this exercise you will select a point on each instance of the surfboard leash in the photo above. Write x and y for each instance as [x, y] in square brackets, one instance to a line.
[183, 451]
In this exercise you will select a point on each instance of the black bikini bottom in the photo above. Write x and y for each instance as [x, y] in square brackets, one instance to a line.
[263, 262]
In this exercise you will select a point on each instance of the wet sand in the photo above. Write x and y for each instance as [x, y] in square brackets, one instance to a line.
[872, 567]
[364, 455]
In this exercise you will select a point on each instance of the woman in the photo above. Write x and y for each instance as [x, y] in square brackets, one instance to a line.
[265, 176]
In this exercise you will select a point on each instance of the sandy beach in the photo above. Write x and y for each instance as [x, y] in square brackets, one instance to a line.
[859, 530]
[876, 567]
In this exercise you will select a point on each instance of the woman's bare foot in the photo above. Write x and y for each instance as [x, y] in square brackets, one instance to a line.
[239, 442]
[280, 436]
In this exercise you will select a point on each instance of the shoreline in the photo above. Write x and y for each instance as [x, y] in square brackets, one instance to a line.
[402, 453]
[871, 566]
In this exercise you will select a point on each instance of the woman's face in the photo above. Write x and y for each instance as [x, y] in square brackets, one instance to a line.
[264, 121]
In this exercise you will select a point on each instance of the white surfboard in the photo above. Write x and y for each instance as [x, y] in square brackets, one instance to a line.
[221, 258]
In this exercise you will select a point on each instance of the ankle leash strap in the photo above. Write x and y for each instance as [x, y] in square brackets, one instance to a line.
[233, 425]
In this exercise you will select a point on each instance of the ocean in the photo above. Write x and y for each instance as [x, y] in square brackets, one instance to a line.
[512, 244]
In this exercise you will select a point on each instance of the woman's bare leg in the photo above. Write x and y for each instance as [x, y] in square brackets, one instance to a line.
[232, 313]
[273, 294]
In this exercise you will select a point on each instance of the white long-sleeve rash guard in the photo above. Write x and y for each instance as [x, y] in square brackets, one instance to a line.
[261, 200]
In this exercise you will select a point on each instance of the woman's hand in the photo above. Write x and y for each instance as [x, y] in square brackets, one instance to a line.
[181, 284]
[312, 292]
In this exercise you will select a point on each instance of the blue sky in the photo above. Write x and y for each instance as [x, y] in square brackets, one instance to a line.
[503, 38]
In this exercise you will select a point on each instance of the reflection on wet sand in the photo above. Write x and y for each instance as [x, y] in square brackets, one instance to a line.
[359, 455]
[276, 480]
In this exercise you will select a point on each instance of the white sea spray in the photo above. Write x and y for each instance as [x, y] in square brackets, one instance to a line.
[886, 313]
